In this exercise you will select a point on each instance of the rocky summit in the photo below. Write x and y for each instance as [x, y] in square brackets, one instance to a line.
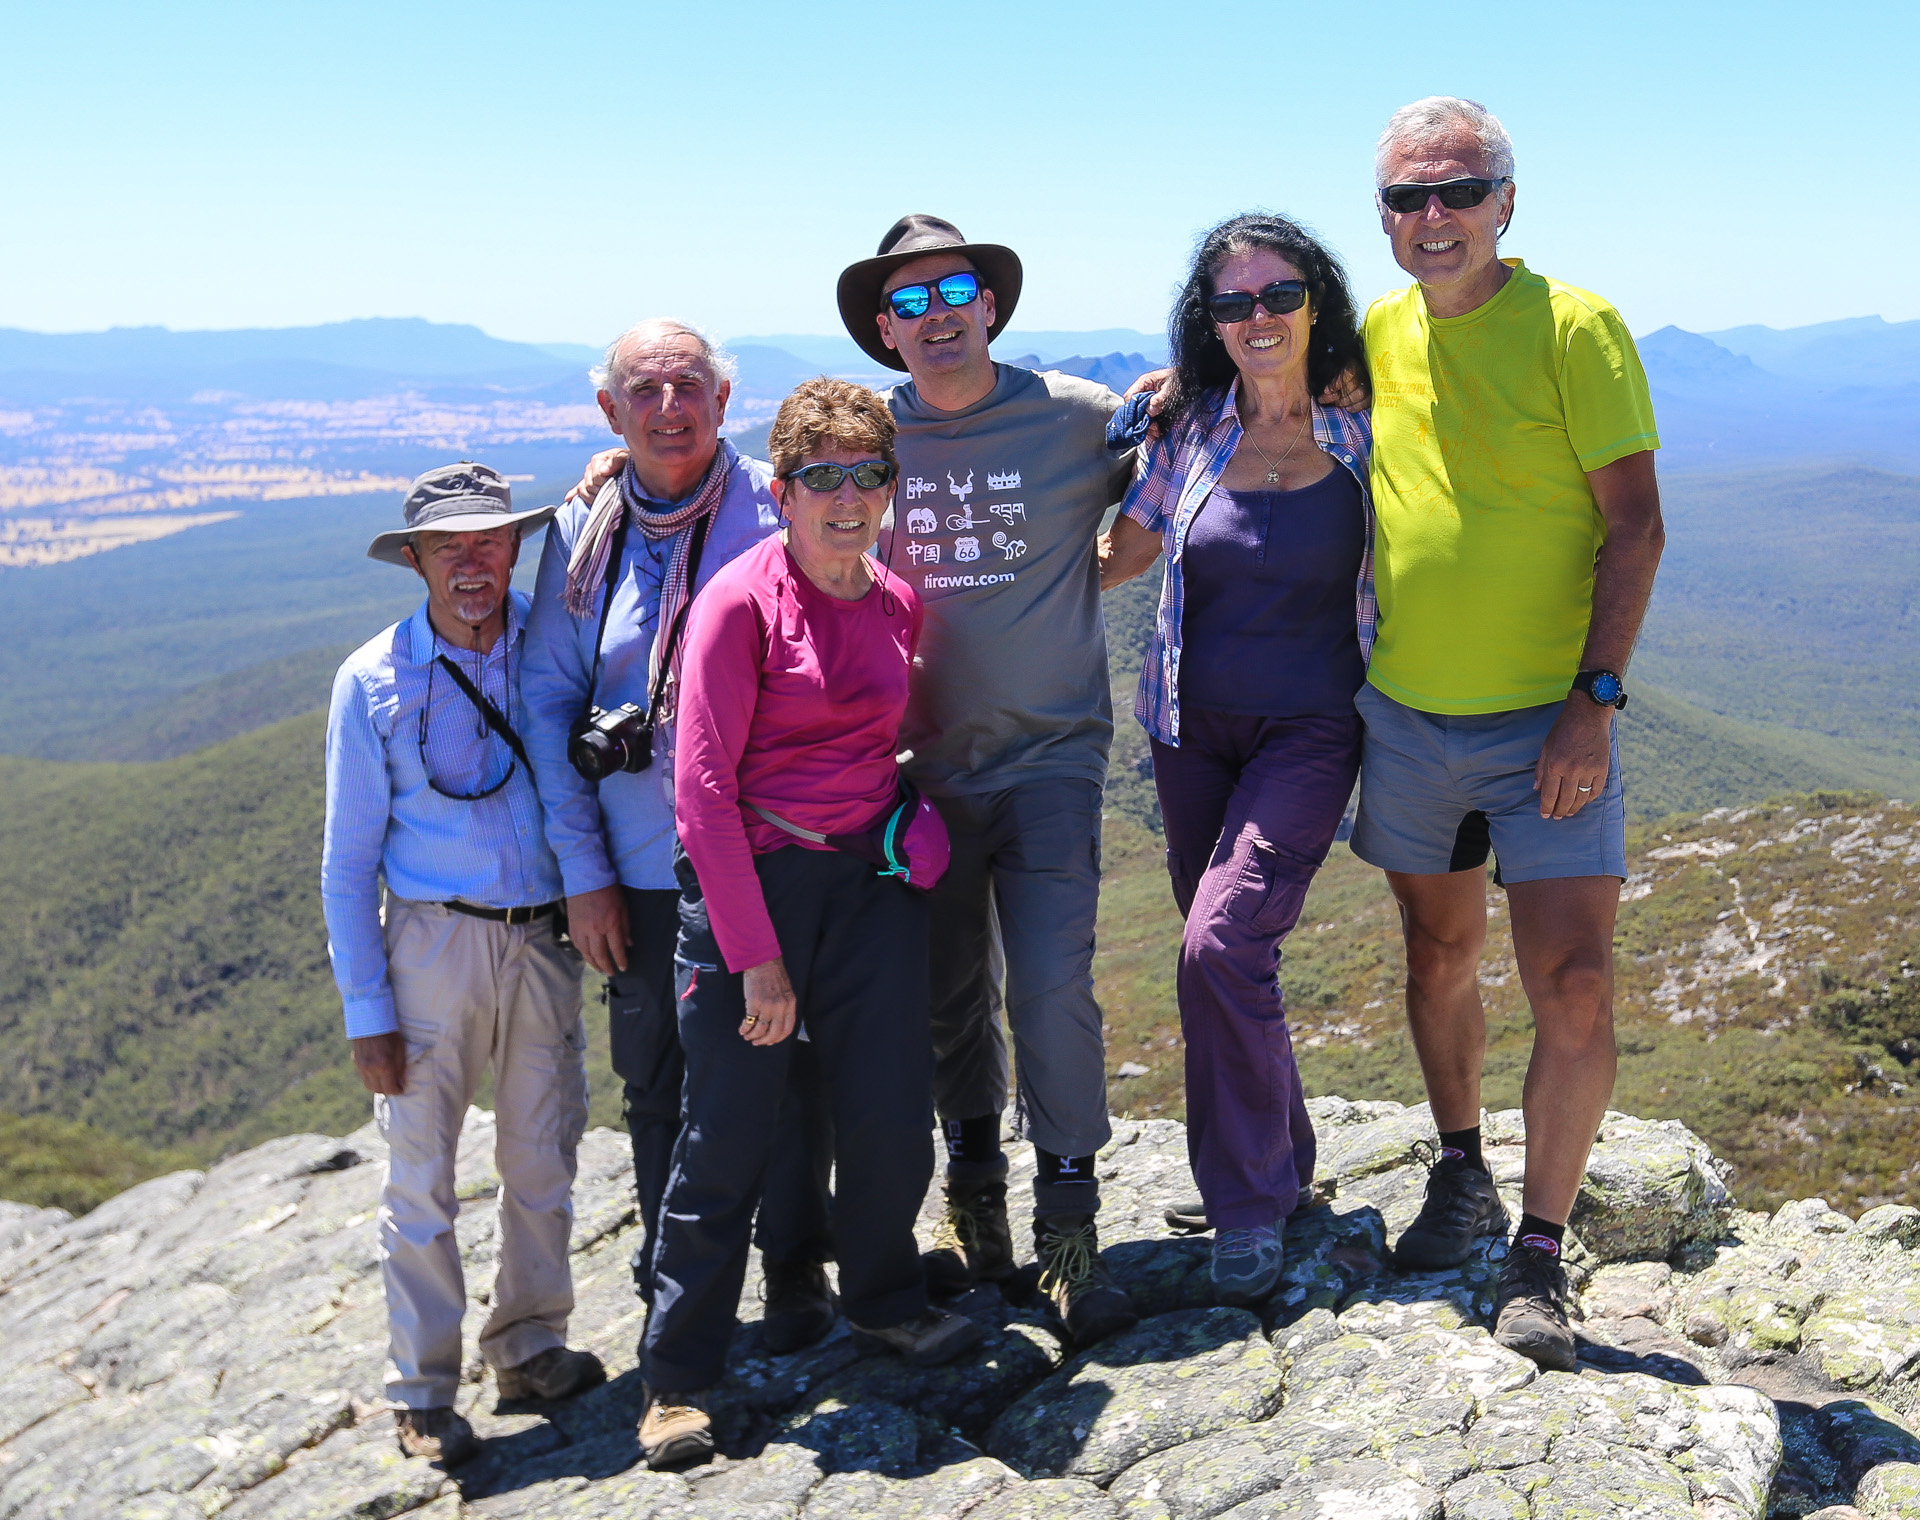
[211, 1343]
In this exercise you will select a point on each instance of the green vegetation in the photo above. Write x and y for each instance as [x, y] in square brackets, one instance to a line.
[59, 1165]
[165, 981]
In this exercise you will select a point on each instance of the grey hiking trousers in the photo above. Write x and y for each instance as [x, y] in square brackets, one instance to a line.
[1026, 861]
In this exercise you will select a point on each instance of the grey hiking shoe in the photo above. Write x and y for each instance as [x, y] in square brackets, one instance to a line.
[926, 1340]
[1086, 1300]
[1189, 1216]
[1246, 1264]
[676, 1430]
[1461, 1205]
[556, 1373]
[1530, 1310]
[972, 1242]
[440, 1435]
[800, 1307]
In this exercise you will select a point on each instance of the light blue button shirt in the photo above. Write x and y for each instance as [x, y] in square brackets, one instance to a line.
[385, 819]
[621, 830]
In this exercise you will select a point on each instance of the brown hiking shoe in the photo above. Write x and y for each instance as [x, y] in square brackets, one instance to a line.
[676, 1430]
[439, 1435]
[555, 1373]
[926, 1340]
[1530, 1310]
[1077, 1283]
[972, 1242]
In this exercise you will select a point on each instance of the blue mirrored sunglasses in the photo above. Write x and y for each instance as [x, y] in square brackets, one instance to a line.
[911, 301]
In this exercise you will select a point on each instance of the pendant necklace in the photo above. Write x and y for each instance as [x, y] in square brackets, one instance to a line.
[1273, 465]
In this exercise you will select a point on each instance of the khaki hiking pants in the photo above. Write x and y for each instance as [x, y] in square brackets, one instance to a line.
[470, 993]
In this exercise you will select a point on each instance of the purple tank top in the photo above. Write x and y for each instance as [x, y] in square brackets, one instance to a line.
[1268, 623]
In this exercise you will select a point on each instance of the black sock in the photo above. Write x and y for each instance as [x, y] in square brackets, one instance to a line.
[1056, 1169]
[1541, 1234]
[972, 1142]
[1458, 1144]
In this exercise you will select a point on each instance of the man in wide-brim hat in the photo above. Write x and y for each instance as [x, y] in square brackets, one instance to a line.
[430, 791]
[1004, 479]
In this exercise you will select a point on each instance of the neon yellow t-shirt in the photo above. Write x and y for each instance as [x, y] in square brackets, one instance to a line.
[1484, 429]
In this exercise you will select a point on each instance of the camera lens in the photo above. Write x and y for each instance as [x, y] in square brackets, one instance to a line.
[596, 754]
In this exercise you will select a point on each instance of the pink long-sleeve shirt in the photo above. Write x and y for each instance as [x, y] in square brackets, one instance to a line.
[791, 699]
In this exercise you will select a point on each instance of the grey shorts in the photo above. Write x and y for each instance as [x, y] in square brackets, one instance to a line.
[1437, 791]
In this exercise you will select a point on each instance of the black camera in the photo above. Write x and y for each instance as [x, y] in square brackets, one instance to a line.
[607, 741]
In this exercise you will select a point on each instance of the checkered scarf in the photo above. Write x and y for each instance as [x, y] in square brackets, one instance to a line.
[587, 571]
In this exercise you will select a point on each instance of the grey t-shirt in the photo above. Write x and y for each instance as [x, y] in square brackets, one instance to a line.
[994, 525]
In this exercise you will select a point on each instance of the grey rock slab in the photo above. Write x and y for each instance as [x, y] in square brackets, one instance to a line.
[946, 1493]
[967, 1393]
[33, 1395]
[1651, 1187]
[1047, 1499]
[1636, 1290]
[21, 1222]
[1366, 1487]
[633, 1495]
[353, 1474]
[1169, 1380]
[1203, 1478]
[869, 1436]
[1891, 1492]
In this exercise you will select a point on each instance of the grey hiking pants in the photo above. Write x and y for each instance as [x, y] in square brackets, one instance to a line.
[1027, 861]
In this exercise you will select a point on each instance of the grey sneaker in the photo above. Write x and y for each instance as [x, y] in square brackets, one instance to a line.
[556, 1373]
[440, 1435]
[1246, 1264]
[1461, 1205]
[926, 1340]
[1530, 1310]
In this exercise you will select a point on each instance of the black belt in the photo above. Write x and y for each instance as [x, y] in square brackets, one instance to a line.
[505, 915]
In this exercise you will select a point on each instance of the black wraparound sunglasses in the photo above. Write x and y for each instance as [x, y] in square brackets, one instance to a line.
[868, 475]
[1455, 194]
[1279, 298]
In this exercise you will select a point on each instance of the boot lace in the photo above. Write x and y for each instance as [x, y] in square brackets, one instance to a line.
[958, 1230]
[1069, 1258]
[1534, 1278]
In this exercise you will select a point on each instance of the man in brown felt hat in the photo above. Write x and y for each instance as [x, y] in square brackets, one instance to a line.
[1004, 479]
[439, 891]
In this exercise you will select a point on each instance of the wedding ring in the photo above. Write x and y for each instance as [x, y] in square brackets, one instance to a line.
[754, 1018]
[1583, 788]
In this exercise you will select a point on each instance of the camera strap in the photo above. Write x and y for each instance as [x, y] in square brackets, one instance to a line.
[699, 530]
[491, 715]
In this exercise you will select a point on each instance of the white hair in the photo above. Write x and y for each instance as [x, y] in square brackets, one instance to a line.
[722, 363]
[1435, 114]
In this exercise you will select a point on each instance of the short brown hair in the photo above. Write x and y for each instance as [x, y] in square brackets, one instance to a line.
[823, 414]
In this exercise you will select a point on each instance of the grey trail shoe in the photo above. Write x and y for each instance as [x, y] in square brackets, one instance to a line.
[1530, 1310]
[800, 1307]
[927, 1340]
[1246, 1265]
[555, 1373]
[972, 1242]
[1077, 1283]
[440, 1435]
[1189, 1216]
[1461, 1205]
[676, 1430]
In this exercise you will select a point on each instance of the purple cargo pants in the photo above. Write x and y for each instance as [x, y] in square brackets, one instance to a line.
[1250, 806]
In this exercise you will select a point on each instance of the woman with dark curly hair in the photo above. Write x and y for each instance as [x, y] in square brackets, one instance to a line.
[1257, 494]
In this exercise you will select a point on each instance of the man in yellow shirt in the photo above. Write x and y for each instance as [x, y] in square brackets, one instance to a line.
[1518, 535]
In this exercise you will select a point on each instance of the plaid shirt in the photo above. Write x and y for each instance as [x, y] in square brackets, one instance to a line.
[1167, 495]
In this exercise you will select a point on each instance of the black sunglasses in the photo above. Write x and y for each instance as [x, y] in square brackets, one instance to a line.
[1455, 194]
[1279, 298]
[444, 791]
[868, 475]
[911, 301]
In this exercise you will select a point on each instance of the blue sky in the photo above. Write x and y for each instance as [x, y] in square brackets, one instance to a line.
[553, 171]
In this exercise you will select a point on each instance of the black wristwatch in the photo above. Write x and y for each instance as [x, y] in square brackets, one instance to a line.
[1603, 686]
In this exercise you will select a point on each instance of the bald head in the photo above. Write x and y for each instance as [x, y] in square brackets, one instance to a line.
[664, 390]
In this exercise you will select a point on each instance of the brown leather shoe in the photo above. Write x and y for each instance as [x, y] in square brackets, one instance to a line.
[439, 1435]
[676, 1430]
[927, 1340]
[555, 1373]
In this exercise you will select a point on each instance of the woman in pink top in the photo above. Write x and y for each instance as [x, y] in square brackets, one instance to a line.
[792, 689]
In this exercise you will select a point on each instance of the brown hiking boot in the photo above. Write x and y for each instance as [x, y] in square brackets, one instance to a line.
[972, 1242]
[799, 1305]
[1530, 1310]
[926, 1340]
[555, 1373]
[439, 1435]
[1077, 1283]
[676, 1430]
